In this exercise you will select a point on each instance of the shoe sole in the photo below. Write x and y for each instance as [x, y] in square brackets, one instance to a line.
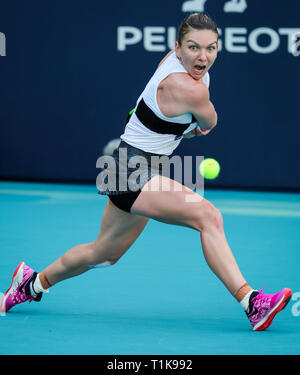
[267, 321]
[16, 279]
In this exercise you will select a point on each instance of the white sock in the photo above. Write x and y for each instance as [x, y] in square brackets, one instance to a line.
[37, 286]
[245, 301]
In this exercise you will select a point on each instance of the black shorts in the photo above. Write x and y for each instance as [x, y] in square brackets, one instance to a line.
[123, 176]
[124, 201]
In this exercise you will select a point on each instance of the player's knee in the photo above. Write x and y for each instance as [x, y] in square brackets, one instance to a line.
[213, 217]
[208, 217]
[217, 219]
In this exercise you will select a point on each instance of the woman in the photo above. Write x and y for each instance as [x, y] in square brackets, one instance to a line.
[174, 104]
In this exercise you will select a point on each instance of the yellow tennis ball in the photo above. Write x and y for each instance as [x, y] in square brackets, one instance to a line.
[209, 168]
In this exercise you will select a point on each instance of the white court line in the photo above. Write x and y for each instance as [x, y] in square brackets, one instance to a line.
[258, 203]
[259, 212]
[258, 207]
[51, 194]
[270, 208]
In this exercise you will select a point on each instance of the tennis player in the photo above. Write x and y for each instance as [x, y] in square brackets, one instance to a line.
[174, 104]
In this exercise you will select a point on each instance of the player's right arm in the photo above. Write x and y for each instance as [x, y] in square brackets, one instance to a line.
[197, 101]
[179, 94]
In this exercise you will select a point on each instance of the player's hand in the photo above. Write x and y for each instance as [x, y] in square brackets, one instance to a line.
[196, 132]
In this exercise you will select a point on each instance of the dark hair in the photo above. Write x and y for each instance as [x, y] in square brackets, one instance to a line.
[199, 21]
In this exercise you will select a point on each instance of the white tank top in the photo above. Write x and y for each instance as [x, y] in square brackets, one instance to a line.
[138, 135]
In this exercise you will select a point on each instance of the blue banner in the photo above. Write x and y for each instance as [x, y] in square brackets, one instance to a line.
[71, 71]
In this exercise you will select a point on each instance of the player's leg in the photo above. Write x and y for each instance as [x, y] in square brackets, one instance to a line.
[119, 230]
[168, 201]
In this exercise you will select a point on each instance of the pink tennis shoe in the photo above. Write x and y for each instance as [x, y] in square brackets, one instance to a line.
[261, 310]
[20, 289]
[263, 307]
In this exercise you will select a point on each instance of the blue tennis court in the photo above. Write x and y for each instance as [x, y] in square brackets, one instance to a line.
[161, 297]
